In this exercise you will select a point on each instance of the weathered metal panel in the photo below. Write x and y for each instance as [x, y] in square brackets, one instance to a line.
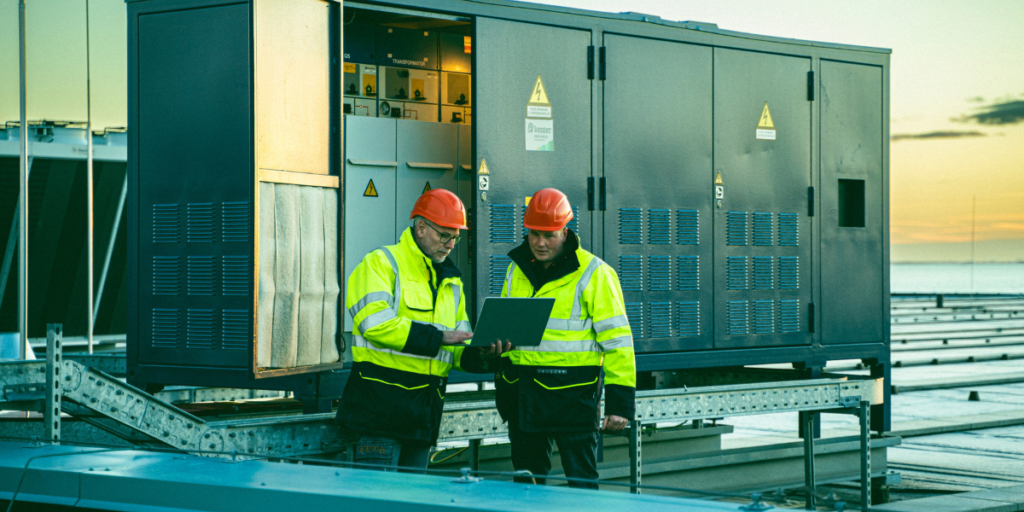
[851, 251]
[657, 162]
[762, 244]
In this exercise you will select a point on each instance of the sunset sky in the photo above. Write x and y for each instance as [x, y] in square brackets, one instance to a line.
[957, 95]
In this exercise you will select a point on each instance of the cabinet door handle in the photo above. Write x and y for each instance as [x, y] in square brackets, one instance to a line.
[424, 165]
[467, 167]
[373, 163]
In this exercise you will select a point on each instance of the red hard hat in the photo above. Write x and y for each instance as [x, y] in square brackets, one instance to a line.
[549, 210]
[442, 208]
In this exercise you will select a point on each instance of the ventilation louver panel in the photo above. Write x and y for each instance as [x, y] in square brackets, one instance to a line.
[236, 274]
[235, 329]
[736, 273]
[631, 273]
[763, 274]
[166, 224]
[235, 221]
[630, 226]
[200, 329]
[687, 319]
[503, 223]
[789, 272]
[789, 232]
[789, 316]
[201, 275]
[659, 226]
[496, 274]
[762, 229]
[166, 275]
[687, 227]
[166, 328]
[764, 317]
[736, 228]
[659, 273]
[687, 273]
[736, 322]
[635, 315]
[200, 223]
[660, 319]
[574, 224]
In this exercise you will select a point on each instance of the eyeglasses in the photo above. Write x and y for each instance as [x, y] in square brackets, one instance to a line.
[445, 237]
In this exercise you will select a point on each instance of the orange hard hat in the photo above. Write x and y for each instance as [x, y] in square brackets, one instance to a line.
[442, 208]
[549, 210]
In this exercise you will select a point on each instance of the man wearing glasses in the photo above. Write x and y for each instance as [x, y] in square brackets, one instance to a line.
[410, 327]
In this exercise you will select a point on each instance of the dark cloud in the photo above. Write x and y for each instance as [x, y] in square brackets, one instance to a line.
[936, 135]
[1006, 112]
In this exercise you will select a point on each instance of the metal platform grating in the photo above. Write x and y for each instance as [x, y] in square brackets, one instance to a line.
[659, 226]
[496, 273]
[736, 228]
[762, 229]
[503, 223]
[789, 231]
[631, 273]
[789, 272]
[736, 273]
[687, 273]
[763, 275]
[764, 316]
[789, 315]
[687, 227]
[736, 322]
[635, 315]
[630, 226]
[687, 319]
[659, 273]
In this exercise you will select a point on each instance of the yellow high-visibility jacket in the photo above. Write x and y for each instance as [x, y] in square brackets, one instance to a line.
[557, 385]
[401, 303]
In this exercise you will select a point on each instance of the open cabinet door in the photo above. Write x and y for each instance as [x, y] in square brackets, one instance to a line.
[531, 136]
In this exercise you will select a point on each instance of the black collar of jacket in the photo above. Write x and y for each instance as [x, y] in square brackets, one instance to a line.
[445, 269]
[566, 263]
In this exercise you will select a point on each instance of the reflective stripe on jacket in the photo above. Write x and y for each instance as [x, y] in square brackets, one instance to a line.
[558, 383]
[393, 390]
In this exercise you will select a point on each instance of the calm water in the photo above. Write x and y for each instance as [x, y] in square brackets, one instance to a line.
[957, 278]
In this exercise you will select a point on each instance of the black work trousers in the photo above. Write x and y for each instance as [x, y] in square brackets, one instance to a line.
[385, 451]
[532, 451]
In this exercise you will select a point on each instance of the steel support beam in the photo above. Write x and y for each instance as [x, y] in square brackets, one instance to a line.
[52, 407]
[807, 422]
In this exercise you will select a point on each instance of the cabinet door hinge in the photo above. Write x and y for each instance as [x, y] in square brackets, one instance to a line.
[590, 193]
[590, 62]
[810, 86]
[810, 201]
[601, 61]
[601, 199]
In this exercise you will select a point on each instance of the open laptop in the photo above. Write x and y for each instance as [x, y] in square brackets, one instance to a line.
[521, 320]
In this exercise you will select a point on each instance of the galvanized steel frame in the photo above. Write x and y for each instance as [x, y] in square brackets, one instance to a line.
[130, 409]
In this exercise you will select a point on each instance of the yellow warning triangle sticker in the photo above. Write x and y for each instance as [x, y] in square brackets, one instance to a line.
[539, 96]
[765, 122]
[426, 188]
[718, 179]
[371, 191]
[483, 167]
